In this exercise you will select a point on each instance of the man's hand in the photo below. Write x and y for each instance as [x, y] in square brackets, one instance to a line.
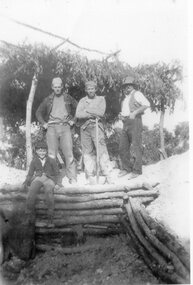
[121, 117]
[90, 115]
[45, 126]
[71, 123]
[24, 187]
[58, 186]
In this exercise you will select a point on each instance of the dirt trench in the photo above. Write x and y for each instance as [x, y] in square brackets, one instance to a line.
[113, 262]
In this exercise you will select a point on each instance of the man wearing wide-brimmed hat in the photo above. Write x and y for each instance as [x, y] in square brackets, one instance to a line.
[56, 115]
[89, 108]
[133, 107]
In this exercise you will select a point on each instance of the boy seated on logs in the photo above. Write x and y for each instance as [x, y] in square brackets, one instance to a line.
[43, 173]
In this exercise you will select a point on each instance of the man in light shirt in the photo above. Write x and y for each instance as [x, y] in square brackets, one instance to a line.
[89, 108]
[56, 115]
[133, 107]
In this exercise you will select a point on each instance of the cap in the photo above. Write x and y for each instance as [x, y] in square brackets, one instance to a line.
[90, 83]
[56, 80]
[41, 144]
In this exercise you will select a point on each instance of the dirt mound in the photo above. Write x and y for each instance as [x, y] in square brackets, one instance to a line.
[172, 205]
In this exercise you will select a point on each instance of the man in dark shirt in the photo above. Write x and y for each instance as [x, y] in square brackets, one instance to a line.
[43, 172]
[56, 115]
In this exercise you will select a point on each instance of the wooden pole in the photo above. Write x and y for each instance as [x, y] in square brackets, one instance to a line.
[97, 150]
[28, 119]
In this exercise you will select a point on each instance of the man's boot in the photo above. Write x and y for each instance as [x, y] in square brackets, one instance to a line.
[92, 180]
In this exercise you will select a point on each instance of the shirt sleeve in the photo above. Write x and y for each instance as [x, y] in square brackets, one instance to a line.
[80, 110]
[141, 99]
[40, 111]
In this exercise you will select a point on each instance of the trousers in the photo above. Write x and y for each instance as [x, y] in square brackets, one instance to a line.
[88, 143]
[48, 186]
[130, 146]
[60, 135]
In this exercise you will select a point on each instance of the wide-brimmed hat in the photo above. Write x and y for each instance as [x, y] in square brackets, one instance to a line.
[129, 80]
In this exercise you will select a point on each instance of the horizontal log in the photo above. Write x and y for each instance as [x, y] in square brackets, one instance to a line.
[107, 228]
[131, 185]
[71, 250]
[80, 198]
[80, 220]
[97, 204]
[61, 198]
[99, 196]
[64, 213]
[80, 189]
[7, 188]
[13, 196]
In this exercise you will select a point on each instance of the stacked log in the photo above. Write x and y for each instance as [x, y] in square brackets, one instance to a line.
[106, 209]
[161, 251]
[95, 208]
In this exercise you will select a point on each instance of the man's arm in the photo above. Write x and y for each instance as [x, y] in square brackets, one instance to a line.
[98, 110]
[74, 103]
[138, 111]
[81, 112]
[142, 100]
[40, 111]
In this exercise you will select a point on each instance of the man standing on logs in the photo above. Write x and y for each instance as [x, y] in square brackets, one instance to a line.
[133, 107]
[55, 114]
[89, 108]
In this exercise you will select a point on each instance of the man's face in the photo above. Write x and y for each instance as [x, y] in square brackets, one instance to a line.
[57, 88]
[127, 89]
[41, 152]
[90, 90]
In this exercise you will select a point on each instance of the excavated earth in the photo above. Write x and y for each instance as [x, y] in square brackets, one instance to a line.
[114, 261]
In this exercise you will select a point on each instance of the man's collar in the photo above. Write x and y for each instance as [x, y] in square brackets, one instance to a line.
[133, 91]
[88, 99]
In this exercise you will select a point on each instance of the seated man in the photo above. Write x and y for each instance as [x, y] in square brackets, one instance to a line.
[44, 172]
[89, 108]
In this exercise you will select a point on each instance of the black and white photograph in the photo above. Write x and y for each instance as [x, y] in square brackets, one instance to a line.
[95, 153]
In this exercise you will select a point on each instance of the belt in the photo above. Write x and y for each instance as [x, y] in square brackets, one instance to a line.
[58, 124]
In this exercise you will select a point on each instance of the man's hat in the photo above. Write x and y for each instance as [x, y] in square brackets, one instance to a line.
[41, 144]
[56, 80]
[90, 83]
[129, 80]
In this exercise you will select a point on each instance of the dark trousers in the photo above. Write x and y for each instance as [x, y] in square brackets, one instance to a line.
[36, 185]
[130, 146]
[60, 135]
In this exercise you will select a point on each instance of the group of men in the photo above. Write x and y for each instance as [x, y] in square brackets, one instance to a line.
[58, 113]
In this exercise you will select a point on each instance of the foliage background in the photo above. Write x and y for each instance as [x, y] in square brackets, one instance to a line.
[17, 67]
